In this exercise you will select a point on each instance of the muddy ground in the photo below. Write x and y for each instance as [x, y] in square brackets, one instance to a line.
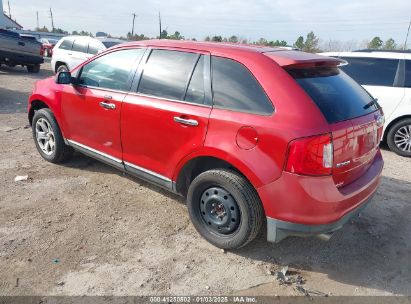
[83, 228]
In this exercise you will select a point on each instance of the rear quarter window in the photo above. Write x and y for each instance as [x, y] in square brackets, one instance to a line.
[372, 71]
[336, 94]
[235, 88]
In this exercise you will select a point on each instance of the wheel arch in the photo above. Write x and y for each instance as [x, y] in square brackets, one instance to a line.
[198, 163]
[35, 106]
[58, 64]
[392, 123]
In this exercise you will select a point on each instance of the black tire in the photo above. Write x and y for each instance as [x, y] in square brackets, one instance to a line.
[245, 197]
[62, 68]
[33, 68]
[61, 151]
[394, 133]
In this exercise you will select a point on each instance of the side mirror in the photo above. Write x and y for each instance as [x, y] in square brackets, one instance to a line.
[64, 78]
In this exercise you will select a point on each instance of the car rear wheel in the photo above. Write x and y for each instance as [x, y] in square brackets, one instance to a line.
[399, 137]
[225, 208]
[62, 68]
[48, 139]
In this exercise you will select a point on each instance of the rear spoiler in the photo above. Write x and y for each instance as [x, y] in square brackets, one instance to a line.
[297, 59]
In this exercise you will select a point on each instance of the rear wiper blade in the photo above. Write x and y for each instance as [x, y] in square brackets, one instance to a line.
[372, 102]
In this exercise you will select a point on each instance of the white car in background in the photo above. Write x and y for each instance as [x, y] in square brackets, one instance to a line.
[70, 51]
[386, 75]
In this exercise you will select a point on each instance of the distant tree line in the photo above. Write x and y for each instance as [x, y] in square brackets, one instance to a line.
[311, 43]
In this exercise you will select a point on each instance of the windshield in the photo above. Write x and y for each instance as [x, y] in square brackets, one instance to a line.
[337, 95]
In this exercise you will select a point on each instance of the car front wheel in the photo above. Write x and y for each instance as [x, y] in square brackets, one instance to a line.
[225, 208]
[399, 137]
[48, 139]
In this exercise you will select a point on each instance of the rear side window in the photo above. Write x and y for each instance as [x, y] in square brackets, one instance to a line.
[66, 44]
[195, 91]
[372, 71]
[235, 88]
[407, 74]
[337, 95]
[80, 46]
[94, 47]
[167, 73]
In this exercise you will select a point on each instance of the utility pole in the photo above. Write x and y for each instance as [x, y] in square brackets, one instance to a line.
[132, 30]
[8, 3]
[406, 37]
[37, 15]
[159, 22]
[52, 21]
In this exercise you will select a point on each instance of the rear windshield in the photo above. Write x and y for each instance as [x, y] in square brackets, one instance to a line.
[337, 95]
[109, 44]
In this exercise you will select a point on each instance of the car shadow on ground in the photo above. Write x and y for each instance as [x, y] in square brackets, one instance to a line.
[371, 251]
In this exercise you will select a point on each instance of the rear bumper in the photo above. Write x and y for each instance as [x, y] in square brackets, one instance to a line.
[278, 230]
[303, 205]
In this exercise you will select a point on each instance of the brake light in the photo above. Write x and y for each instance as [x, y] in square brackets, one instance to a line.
[311, 155]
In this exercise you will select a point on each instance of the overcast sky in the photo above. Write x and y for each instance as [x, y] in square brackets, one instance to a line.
[251, 19]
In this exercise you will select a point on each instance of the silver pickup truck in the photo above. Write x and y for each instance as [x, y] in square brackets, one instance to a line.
[16, 49]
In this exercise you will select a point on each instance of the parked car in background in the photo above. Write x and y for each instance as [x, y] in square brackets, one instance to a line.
[70, 51]
[248, 134]
[24, 50]
[386, 75]
[47, 46]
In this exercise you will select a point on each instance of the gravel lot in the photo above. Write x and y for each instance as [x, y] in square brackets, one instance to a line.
[85, 228]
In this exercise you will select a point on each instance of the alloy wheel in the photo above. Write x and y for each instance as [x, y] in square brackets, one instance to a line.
[45, 136]
[402, 138]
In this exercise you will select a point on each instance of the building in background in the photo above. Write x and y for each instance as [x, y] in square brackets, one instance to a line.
[6, 22]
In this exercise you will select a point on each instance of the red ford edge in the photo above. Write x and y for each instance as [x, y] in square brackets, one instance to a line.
[247, 134]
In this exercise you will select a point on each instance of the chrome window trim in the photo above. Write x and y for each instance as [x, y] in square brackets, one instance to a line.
[166, 99]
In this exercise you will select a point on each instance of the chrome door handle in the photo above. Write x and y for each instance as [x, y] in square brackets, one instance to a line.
[187, 122]
[106, 105]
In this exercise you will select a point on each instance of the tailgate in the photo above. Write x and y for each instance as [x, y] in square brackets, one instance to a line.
[356, 143]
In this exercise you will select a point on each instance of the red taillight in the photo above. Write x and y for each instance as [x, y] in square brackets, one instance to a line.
[311, 155]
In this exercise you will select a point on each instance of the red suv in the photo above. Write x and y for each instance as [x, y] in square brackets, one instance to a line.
[248, 134]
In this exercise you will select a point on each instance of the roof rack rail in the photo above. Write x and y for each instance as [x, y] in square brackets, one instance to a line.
[382, 50]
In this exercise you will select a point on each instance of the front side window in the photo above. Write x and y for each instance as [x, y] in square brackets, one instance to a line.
[66, 44]
[167, 73]
[235, 88]
[110, 71]
[372, 71]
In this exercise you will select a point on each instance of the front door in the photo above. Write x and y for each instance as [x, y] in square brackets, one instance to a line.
[167, 117]
[91, 109]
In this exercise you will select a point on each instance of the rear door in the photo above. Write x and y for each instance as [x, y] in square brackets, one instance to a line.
[167, 116]
[381, 77]
[355, 119]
